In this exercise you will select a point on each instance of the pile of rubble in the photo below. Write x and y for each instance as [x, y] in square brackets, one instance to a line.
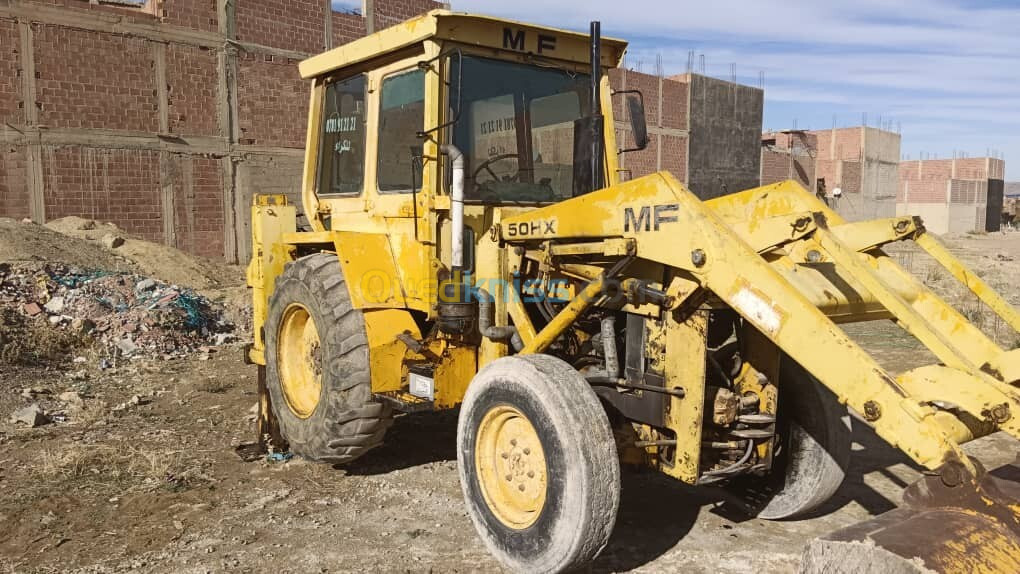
[117, 314]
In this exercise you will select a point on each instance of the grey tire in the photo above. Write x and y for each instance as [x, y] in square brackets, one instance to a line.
[583, 473]
[346, 422]
[815, 442]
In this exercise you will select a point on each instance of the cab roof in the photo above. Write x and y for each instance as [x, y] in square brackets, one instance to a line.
[469, 29]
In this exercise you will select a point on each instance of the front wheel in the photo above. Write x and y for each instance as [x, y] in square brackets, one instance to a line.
[538, 464]
[815, 441]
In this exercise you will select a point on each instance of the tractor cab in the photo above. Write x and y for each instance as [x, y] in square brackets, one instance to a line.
[523, 106]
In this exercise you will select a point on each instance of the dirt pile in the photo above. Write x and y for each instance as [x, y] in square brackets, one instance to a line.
[148, 258]
[94, 245]
[51, 310]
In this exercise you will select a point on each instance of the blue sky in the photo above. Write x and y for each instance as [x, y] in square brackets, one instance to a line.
[946, 73]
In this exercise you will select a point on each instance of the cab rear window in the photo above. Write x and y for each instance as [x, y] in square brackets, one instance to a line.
[341, 169]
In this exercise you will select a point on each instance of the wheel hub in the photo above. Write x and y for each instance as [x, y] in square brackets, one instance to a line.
[511, 467]
[300, 361]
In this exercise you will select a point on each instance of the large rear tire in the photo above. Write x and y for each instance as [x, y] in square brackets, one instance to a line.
[815, 441]
[317, 369]
[538, 464]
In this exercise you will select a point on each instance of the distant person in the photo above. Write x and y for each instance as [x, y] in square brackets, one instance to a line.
[837, 193]
[820, 192]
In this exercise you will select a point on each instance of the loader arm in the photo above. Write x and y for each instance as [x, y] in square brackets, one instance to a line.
[782, 260]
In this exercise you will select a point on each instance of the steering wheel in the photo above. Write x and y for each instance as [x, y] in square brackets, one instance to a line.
[485, 165]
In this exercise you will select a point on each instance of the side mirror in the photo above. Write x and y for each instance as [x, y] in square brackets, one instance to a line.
[636, 110]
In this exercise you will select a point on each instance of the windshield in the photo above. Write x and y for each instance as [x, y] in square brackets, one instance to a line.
[516, 129]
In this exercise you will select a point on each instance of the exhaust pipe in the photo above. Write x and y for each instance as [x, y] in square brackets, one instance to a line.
[456, 203]
[597, 141]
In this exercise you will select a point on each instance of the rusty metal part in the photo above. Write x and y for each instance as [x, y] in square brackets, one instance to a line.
[725, 405]
[872, 411]
[749, 402]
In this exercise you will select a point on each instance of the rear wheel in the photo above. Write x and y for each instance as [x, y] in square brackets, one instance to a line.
[538, 464]
[317, 370]
[814, 449]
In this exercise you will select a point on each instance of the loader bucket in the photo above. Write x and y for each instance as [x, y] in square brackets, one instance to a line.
[973, 526]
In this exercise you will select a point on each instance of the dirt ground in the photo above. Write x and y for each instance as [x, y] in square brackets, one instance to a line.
[142, 476]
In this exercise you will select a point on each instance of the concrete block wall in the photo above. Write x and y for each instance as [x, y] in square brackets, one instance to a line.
[109, 184]
[392, 12]
[864, 162]
[666, 114]
[14, 198]
[272, 100]
[10, 72]
[789, 155]
[194, 14]
[166, 117]
[704, 131]
[347, 26]
[953, 195]
[724, 153]
[191, 75]
[283, 24]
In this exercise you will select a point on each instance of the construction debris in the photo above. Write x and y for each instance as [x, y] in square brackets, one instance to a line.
[120, 315]
[32, 415]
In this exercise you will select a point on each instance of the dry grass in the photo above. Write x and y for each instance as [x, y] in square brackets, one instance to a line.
[934, 274]
[156, 467]
[77, 461]
[92, 412]
[974, 313]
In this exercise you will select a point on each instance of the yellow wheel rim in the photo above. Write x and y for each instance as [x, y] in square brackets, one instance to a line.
[300, 362]
[510, 464]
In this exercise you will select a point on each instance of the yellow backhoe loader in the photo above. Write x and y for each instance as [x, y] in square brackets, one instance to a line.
[469, 243]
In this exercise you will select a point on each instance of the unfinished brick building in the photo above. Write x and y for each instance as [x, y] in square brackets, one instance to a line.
[165, 116]
[704, 131]
[789, 154]
[864, 162]
[953, 195]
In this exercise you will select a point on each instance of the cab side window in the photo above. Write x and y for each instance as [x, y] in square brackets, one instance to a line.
[401, 117]
[342, 138]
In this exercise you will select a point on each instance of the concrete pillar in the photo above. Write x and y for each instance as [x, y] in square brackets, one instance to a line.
[368, 9]
[33, 151]
[167, 200]
[327, 38]
[226, 116]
